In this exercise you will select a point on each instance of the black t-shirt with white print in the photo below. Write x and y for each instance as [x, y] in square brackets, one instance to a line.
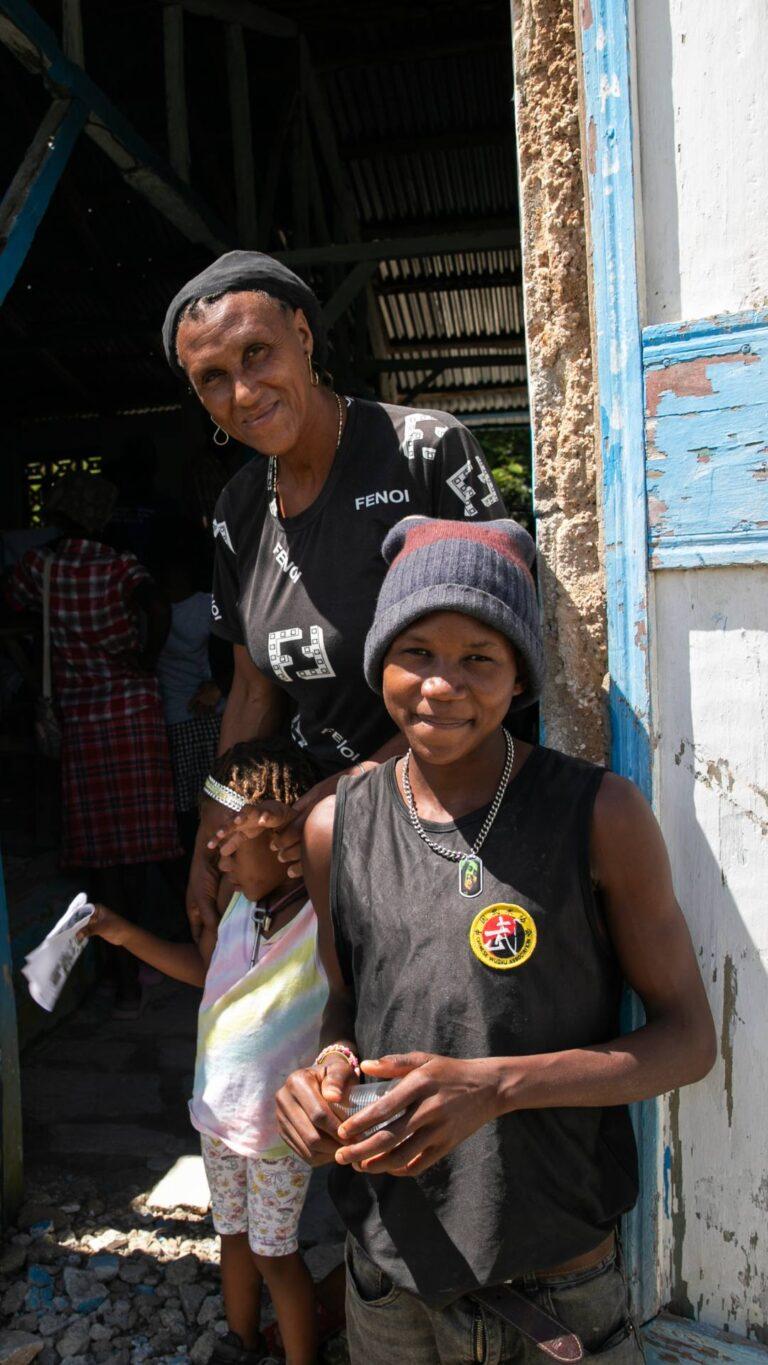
[300, 592]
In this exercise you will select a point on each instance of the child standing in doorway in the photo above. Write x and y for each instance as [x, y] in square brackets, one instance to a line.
[263, 996]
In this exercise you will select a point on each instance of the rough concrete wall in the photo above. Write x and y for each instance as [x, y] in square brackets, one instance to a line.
[560, 374]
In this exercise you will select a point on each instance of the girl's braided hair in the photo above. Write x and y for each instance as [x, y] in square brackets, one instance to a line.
[266, 769]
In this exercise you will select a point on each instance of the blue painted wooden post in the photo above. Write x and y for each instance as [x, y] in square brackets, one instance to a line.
[10, 1096]
[606, 68]
[29, 195]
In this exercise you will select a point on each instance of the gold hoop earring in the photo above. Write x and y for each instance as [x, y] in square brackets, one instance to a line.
[217, 433]
[314, 377]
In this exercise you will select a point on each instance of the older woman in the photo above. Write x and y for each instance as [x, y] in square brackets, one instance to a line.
[299, 529]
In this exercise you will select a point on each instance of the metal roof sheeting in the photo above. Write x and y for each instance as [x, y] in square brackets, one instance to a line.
[419, 96]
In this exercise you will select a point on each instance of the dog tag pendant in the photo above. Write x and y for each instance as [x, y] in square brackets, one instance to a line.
[470, 876]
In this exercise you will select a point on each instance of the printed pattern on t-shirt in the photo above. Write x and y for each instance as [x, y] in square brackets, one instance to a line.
[300, 592]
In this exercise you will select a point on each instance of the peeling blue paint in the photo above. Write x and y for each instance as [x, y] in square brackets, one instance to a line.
[667, 1178]
[676, 1341]
[606, 62]
[706, 388]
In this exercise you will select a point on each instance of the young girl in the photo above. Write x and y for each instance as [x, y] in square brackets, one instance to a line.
[479, 901]
[263, 997]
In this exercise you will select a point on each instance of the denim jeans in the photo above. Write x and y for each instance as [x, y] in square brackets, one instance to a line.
[389, 1326]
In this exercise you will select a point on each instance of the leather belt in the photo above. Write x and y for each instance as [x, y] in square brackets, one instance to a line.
[584, 1261]
[532, 1322]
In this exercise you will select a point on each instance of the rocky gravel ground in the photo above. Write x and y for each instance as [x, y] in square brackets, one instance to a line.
[86, 1283]
[90, 1274]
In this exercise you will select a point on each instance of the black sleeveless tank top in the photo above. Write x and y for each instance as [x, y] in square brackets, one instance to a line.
[535, 1187]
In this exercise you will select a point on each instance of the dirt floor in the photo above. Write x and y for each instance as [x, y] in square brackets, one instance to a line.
[91, 1275]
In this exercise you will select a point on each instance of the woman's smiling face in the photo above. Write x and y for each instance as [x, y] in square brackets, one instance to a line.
[245, 356]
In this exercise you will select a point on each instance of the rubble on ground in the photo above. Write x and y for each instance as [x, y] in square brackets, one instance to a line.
[84, 1282]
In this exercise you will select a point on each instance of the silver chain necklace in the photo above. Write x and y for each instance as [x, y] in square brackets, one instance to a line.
[272, 465]
[470, 864]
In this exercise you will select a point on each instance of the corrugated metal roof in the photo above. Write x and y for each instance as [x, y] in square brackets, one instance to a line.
[419, 96]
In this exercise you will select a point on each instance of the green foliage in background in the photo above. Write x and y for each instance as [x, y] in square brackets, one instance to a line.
[508, 452]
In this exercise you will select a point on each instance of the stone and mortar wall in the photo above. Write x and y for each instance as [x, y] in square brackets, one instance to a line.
[560, 374]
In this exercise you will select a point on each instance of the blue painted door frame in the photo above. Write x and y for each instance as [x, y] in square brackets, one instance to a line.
[608, 134]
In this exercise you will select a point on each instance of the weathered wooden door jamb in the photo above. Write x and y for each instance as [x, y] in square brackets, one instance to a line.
[604, 38]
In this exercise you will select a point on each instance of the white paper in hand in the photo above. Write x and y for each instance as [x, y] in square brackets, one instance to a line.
[48, 966]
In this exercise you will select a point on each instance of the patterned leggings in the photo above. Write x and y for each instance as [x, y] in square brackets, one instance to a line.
[256, 1195]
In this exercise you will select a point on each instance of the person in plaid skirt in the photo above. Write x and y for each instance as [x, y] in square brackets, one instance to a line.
[117, 788]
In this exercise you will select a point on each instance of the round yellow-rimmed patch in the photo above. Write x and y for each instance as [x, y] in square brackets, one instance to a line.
[502, 936]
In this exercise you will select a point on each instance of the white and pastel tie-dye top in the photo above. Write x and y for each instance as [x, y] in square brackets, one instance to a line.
[256, 1025]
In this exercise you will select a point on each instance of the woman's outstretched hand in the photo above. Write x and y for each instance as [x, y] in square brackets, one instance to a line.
[285, 824]
[445, 1100]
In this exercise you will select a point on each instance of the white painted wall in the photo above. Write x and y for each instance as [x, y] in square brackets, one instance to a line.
[702, 99]
[711, 707]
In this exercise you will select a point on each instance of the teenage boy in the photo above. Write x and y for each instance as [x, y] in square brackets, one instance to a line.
[480, 902]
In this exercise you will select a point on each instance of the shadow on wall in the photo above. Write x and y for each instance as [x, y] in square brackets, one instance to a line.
[712, 626]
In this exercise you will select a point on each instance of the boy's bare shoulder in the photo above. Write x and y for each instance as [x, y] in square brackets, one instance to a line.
[318, 829]
[619, 804]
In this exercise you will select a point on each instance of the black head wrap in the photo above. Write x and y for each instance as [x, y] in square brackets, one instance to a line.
[236, 273]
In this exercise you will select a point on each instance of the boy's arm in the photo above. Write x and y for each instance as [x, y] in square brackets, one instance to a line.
[182, 961]
[306, 1121]
[447, 1099]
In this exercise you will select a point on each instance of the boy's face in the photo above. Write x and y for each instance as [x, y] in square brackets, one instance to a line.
[448, 683]
[253, 868]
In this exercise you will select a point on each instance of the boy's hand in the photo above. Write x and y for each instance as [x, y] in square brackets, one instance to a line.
[445, 1099]
[105, 924]
[305, 1108]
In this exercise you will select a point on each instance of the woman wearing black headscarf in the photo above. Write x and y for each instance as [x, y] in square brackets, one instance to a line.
[299, 530]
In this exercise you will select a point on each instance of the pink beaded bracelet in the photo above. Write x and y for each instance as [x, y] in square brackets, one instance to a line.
[345, 1052]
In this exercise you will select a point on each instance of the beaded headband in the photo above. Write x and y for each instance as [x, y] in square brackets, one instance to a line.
[224, 795]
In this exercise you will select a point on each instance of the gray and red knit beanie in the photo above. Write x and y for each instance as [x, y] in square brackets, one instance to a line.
[482, 570]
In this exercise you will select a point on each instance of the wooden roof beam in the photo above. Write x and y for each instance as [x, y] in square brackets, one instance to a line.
[431, 50]
[242, 12]
[317, 106]
[242, 136]
[177, 122]
[29, 193]
[72, 31]
[34, 44]
[398, 248]
[448, 141]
